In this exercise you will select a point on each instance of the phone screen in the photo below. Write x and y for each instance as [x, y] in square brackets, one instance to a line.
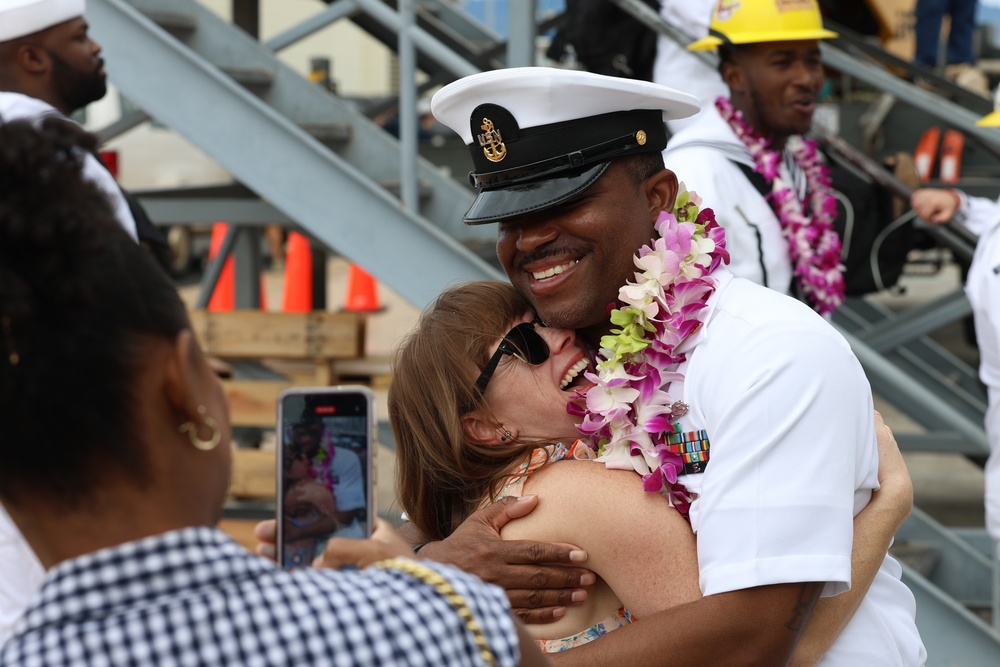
[325, 470]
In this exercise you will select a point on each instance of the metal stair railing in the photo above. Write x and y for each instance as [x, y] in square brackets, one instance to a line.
[324, 192]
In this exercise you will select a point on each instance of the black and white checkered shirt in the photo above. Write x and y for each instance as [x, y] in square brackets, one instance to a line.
[194, 597]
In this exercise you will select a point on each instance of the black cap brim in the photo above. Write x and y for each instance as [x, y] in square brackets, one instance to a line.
[513, 201]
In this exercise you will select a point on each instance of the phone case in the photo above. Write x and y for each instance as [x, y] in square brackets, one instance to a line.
[325, 469]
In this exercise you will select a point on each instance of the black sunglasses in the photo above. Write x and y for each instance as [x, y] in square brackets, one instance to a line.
[524, 343]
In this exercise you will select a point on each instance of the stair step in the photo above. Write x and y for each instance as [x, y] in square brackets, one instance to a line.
[329, 133]
[424, 189]
[921, 556]
[984, 613]
[251, 77]
[176, 22]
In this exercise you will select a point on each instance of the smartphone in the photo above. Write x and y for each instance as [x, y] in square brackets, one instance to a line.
[326, 469]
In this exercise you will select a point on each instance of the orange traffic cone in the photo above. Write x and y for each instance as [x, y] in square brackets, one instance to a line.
[298, 275]
[362, 296]
[224, 295]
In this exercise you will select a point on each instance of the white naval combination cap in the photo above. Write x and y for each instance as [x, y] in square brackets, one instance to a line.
[25, 17]
[541, 135]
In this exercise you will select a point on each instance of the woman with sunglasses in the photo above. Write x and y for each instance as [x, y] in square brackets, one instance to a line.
[478, 404]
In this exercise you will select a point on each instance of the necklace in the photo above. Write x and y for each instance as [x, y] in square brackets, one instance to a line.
[813, 245]
[628, 415]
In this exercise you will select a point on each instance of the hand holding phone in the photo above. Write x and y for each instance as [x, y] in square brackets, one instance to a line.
[325, 469]
[383, 544]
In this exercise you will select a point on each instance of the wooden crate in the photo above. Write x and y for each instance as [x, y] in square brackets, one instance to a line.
[320, 337]
[305, 348]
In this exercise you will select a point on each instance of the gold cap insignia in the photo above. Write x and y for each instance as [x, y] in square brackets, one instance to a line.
[492, 142]
[640, 138]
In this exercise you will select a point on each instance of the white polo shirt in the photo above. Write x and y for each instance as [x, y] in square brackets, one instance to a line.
[788, 412]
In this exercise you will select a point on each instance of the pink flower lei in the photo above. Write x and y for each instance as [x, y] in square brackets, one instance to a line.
[628, 414]
[813, 245]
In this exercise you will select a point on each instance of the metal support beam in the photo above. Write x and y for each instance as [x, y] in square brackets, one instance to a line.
[426, 43]
[951, 633]
[125, 123]
[961, 571]
[918, 321]
[195, 210]
[246, 15]
[211, 277]
[926, 362]
[247, 269]
[336, 11]
[408, 106]
[938, 441]
[920, 403]
[521, 33]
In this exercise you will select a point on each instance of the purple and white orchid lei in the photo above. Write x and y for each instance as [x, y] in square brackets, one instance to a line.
[628, 414]
[813, 245]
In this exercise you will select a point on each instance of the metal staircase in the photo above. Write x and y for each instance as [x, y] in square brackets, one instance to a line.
[307, 153]
[313, 158]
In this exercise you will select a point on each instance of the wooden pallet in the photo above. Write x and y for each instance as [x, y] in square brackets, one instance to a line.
[308, 346]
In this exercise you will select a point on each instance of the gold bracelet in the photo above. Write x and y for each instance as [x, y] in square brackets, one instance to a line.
[444, 588]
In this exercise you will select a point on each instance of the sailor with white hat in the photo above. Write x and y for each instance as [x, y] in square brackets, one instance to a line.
[49, 66]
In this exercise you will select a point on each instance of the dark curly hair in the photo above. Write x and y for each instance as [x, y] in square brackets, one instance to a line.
[77, 298]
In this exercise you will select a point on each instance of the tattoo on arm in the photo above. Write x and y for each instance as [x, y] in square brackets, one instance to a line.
[804, 606]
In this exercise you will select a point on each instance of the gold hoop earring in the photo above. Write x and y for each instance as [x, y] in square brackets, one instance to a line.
[192, 432]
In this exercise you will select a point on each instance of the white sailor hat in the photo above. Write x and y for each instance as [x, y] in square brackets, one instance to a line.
[540, 135]
[25, 17]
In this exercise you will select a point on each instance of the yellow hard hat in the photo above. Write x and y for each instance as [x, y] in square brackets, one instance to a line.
[753, 21]
[990, 120]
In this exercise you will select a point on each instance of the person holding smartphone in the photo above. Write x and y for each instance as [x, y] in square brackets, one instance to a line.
[120, 500]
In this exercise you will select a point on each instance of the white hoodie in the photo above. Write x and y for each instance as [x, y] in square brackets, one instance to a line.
[704, 157]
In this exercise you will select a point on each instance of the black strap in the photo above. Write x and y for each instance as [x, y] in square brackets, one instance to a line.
[756, 178]
[761, 185]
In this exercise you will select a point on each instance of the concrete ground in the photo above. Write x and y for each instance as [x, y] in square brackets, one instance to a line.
[948, 486]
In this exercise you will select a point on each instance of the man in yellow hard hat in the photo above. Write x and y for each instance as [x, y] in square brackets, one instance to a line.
[746, 155]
